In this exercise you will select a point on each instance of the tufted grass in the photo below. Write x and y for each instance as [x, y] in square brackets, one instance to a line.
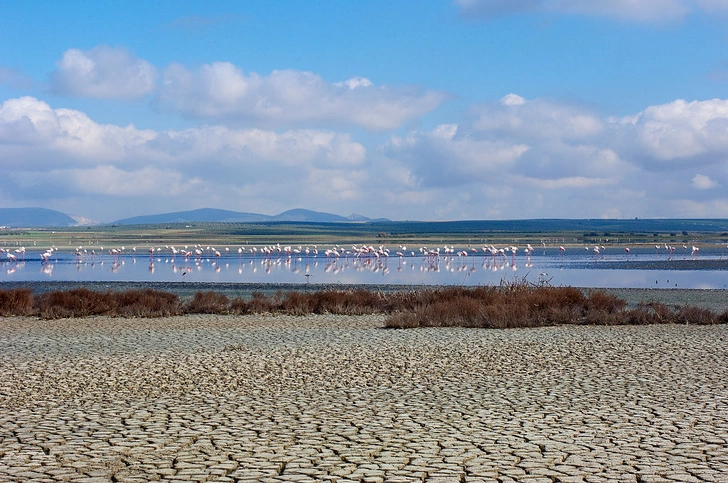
[506, 306]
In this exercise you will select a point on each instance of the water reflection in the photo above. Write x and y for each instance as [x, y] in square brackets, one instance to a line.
[598, 266]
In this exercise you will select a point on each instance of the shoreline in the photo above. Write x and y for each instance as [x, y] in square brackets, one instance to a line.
[713, 299]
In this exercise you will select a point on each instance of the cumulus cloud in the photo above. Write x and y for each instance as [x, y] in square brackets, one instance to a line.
[76, 137]
[702, 182]
[439, 158]
[104, 73]
[223, 92]
[30, 125]
[653, 11]
[511, 158]
[62, 153]
[679, 132]
[543, 157]
[514, 117]
[513, 140]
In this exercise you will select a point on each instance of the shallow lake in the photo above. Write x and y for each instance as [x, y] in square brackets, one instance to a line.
[612, 267]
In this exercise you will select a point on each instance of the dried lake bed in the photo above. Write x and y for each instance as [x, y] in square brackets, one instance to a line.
[335, 398]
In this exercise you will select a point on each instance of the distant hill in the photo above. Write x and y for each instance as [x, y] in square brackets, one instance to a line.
[299, 214]
[208, 215]
[211, 215]
[34, 218]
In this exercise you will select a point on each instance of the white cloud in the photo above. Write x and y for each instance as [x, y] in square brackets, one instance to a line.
[62, 154]
[76, 138]
[522, 159]
[512, 100]
[679, 132]
[66, 133]
[541, 158]
[439, 158]
[570, 182]
[104, 73]
[107, 180]
[702, 182]
[515, 117]
[222, 92]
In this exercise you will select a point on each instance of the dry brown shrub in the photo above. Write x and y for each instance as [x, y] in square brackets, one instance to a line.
[663, 313]
[561, 315]
[359, 302]
[208, 303]
[239, 305]
[641, 315]
[147, 303]
[406, 300]
[505, 316]
[563, 296]
[454, 311]
[80, 302]
[599, 300]
[648, 313]
[16, 302]
[402, 320]
[297, 303]
[696, 315]
[260, 304]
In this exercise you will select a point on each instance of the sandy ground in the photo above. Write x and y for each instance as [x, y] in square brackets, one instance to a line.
[332, 398]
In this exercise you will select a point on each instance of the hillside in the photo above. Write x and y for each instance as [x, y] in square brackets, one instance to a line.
[34, 218]
[210, 215]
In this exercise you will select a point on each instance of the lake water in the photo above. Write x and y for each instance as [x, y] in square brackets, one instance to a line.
[612, 267]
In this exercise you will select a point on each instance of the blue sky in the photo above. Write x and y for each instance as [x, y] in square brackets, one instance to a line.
[438, 110]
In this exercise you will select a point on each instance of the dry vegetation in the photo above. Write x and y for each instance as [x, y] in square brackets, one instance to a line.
[505, 306]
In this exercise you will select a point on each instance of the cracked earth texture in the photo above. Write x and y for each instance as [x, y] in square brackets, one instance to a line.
[332, 398]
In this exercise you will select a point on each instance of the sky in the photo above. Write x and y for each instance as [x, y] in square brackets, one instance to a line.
[409, 110]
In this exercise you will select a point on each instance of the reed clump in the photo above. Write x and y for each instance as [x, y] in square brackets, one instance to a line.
[83, 302]
[526, 305]
[16, 302]
[208, 303]
[506, 306]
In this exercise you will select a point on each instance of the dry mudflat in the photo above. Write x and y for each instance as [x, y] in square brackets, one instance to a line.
[334, 398]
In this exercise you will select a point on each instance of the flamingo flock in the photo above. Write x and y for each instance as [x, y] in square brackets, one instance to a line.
[334, 252]
[334, 258]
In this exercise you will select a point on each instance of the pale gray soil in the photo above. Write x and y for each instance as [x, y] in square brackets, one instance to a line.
[333, 398]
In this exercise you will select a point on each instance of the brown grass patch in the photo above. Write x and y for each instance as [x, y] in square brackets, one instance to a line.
[16, 302]
[506, 306]
[208, 303]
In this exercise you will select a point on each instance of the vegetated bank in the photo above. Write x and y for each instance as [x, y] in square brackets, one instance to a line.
[509, 305]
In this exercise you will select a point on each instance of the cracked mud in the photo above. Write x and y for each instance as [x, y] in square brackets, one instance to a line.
[331, 398]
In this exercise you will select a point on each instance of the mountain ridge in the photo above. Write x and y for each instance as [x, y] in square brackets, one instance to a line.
[47, 218]
[214, 215]
[34, 218]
